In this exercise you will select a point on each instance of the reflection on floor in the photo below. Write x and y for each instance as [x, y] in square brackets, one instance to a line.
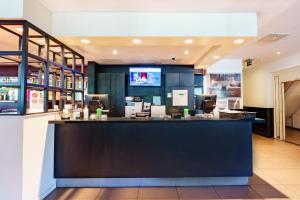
[277, 176]
[292, 135]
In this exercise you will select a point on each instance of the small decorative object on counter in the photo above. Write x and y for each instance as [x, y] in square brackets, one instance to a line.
[98, 113]
[186, 112]
[85, 113]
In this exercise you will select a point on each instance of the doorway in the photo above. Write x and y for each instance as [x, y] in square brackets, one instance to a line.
[292, 111]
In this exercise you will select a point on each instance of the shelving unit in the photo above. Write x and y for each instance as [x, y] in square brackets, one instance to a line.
[41, 64]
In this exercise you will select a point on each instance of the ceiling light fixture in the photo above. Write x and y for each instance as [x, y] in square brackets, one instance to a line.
[85, 41]
[19, 29]
[114, 52]
[136, 41]
[239, 41]
[216, 57]
[188, 41]
[278, 53]
[186, 52]
[56, 49]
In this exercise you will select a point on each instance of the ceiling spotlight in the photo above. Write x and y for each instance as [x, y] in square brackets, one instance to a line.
[278, 53]
[186, 52]
[114, 52]
[216, 57]
[56, 49]
[239, 41]
[19, 29]
[85, 41]
[188, 41]
[136, 41]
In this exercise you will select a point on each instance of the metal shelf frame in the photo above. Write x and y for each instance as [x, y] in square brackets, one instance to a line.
[24, 40]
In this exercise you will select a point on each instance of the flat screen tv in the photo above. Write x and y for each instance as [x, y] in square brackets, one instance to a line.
[145, 76]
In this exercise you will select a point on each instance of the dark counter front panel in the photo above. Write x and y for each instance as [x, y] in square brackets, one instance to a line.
[157, 149]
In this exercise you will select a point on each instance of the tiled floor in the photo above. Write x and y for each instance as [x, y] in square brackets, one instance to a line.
[277, 176]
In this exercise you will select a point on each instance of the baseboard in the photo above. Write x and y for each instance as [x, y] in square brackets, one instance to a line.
[151, 182]
[48, 191]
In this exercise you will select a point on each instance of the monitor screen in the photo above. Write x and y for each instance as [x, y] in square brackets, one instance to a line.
[140, 76]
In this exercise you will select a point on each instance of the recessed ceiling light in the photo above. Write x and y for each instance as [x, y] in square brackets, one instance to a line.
[56, 49]
[239, 41]
[136, 41]
[85, 41]
[188, 41]
[186, 52]
[19, 29]
[278, 52]
[114, 52]
[216, 57]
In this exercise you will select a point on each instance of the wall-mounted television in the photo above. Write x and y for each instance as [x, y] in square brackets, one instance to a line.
[145, 76]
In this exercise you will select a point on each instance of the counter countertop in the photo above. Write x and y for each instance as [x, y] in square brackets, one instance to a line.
[123, 119]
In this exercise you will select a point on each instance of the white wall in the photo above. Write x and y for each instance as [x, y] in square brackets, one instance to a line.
[154, 24]
[38, 156]
[11, 145]
[31, 10]
[27, 156]
[258, 87]
[258, 79]
[38, 15]
[226, 66]
[11, 9]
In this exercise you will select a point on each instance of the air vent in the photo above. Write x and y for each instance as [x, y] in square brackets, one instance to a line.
[273, 37]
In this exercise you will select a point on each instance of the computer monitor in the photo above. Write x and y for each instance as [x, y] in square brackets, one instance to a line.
[94, 101]
[206, 103]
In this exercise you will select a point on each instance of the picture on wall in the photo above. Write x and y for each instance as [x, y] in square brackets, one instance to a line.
[224, 85]
[234, 104]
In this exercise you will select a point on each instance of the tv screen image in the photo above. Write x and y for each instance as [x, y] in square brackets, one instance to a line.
[140, 76]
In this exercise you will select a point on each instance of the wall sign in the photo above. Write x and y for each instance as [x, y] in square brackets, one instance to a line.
[180, 97]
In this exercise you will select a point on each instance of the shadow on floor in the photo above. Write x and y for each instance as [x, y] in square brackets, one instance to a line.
[257, 189]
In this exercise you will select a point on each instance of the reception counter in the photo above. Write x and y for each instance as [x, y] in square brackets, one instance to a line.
[139, 149]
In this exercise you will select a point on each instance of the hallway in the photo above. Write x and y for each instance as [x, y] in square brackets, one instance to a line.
[276, 169]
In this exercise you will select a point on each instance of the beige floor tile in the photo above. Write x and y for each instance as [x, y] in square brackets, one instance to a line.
[158, 193]
[294, 190]
[82, 194]
[197, 193]
[118, 193]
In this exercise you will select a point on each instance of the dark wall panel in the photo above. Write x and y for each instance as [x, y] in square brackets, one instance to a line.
[173, 77]
[117, 94]
[103, 83]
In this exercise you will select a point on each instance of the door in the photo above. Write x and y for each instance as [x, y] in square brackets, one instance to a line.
[292, 111]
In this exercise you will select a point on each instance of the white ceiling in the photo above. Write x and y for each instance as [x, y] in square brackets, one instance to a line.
[273, 16]
[285, 21]
[265, 8]
[158, 50]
